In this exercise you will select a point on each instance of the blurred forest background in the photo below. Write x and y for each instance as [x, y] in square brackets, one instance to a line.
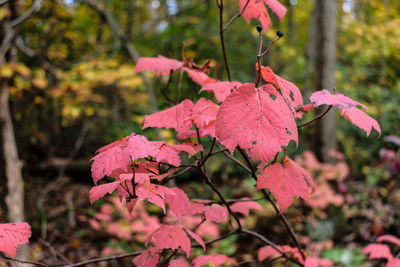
[68, 87]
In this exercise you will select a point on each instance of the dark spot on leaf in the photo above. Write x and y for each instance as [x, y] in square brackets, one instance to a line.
[291, 95]
[273, 97]
[287, 131]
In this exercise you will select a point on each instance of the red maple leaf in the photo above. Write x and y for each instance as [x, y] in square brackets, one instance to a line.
[377, 251]
[149, 258]
[161, 65]
[173, 117]
[256, 10]
[389, 238]
[216, 213]
[221, 89]
[245, 206]
[256, 119]
[286, 181]
[170, 236]
[324, 97]
[361, 119]
[12, 235]
[289, 91]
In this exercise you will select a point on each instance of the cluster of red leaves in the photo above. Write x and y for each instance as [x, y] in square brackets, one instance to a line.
[382, 251]
[258, 120]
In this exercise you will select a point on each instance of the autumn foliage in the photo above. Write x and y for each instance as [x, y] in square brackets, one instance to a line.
[259, 122]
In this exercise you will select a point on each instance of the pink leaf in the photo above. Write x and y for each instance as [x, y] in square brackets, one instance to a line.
[171, 237]
[109, 158]
[377, 251]
[168, 154]
[197, 238]
[361, 119]
[190, 148]
[100, 190]
[245, 206]
[324, 97]
[173, 117]
[255, 10]
[198, 76]
[315, 262]
[216, 213]
[148, 258]
[140, 147]
[221, 89]
[178, 202]
[256, 119]
[266, 252]
[216, 259]
[393, 262]
[179, 262]
[153, 193]
[276, 7]
[290, 91]
[389, 238]
[160, 64]
[12, 235]
[286, 181]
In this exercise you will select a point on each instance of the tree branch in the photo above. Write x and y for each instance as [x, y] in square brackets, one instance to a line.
[236, 16]
[315, 118]
[2, 255]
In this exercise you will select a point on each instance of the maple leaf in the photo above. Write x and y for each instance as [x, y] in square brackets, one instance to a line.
[198, 77]
[361, 120]
[324, 97]
[109, 158]
[289, 91]
[100, 190]
[256, 119]
[171, 237]
[12, 235]
[197, 238]
[216, 259]
[155, 194]
[268, 251]
[160, 64]
[173, 117]
[393, 262]
[245, 206]
[221, 89]
[257, 10]
[377, 251]
[389, 238]
[216, 213]
[286, 181]
[178, 202]
[149, 258]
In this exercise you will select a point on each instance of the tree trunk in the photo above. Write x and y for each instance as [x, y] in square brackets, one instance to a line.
[325, 130]
[13, 165]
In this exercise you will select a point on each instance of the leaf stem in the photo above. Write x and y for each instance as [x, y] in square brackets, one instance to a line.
[315, 118]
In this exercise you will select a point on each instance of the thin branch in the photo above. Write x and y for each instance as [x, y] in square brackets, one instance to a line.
[218, 238]
[244, 200]
[236, 16]
[221, 36]
[209, 153]
[315, 118]
[35, 7]
[163, 89]
[229, 156]
[110, 258]
[2, 255]
[169, 178]
[268, 197]
[210, 184]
